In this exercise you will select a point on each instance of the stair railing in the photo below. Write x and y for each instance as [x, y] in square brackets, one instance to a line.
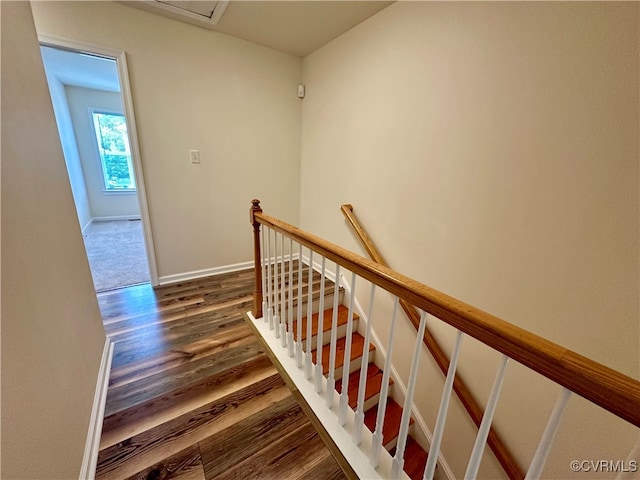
[494, 440]
[599, 384]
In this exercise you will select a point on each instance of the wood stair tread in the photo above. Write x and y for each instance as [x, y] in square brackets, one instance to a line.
[372, 386]
[392, 418]
[357, 348]
[415, 456]
[415, 459]
[315, 295]
[316, 278]
[343, 317]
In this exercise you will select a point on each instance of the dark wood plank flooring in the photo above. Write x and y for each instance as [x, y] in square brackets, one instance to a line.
[192, 394]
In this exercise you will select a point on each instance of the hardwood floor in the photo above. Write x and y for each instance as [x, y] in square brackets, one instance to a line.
[192, 395]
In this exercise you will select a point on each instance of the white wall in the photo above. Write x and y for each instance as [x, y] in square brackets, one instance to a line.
[491, 149]
[196, 89]
[70, 150]
[103, 204]
[52, 334]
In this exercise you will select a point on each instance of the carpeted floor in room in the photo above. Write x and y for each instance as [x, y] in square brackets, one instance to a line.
[116, 254]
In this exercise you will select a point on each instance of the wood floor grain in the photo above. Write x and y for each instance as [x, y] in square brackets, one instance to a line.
[192, 394]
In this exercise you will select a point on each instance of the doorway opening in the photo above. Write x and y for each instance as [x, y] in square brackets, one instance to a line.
[96, 138]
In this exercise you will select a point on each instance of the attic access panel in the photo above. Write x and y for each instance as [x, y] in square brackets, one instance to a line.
[209, 10]
[205, 9]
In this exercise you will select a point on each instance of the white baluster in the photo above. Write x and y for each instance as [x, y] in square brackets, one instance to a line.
[359, 420]
[270, 297]
[632, 458]
[290, 309]
[265, 256]
[434, 449]
[346, 365]
[398, 459]
[299, 342]
[307, 365]
[384, 392]
[283, 296]
[331, 383]
[540, 457]
[276, 297]
[320, 330]
[485, 425]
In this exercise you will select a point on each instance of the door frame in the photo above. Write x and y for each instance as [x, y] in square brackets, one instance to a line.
[120, 57]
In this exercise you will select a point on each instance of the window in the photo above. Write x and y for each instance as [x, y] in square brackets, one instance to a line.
[115, 155]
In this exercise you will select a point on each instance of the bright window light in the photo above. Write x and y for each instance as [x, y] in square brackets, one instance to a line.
[115, 154]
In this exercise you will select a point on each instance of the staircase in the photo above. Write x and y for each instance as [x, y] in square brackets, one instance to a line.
[275, 242]
[415, 455]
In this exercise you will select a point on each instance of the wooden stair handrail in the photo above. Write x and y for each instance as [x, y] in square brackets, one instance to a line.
[608, 388]
[495, 442]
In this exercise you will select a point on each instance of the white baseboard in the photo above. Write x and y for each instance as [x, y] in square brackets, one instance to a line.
[183, 277]
[108, 219]
[284, 258]
[92, 447]
[330, 274]
[112, 218]
[86, 227]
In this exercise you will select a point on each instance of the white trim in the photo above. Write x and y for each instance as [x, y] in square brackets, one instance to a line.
[124, 191]
[218, 11]
[112, 218]
[92, 446]
[73, 45]
[182, 277]
[357, 455]
[329, 274]
[93, 111]
[182, 14]
[86, 227]
[634, 456]
[120, 57]
[127, 101]
[287, 258]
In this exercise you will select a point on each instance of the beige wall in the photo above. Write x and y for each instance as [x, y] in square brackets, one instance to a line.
[52, 335]
[491, 149]
[195, 89]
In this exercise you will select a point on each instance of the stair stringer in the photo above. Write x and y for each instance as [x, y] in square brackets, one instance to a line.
[422, 433]
[342, 436]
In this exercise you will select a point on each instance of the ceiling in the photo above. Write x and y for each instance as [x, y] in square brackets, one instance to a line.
[80, 69]
[295, 27]
[291, 26]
